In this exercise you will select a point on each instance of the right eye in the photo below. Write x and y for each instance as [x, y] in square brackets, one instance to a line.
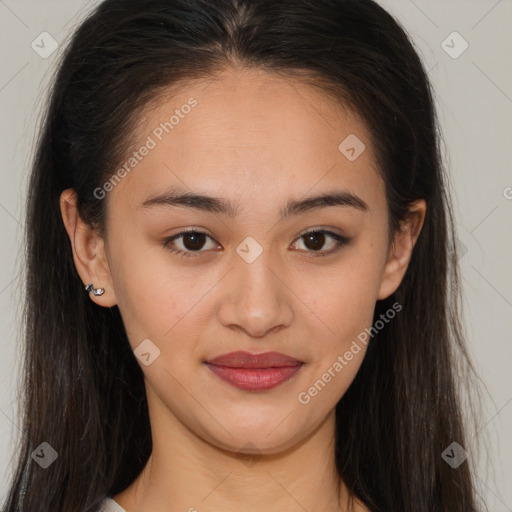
[191, 240]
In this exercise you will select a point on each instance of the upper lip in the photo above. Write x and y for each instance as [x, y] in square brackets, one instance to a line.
[241, 359]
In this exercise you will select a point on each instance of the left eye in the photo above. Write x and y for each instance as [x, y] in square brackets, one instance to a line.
[316, 239]
[193, 241]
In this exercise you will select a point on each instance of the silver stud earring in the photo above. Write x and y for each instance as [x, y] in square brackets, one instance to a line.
[95, 291]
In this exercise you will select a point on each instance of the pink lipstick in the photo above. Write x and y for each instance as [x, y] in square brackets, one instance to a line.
[254, 372]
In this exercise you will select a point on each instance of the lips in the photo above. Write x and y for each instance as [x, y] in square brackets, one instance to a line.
[254, 372]
[242, 359]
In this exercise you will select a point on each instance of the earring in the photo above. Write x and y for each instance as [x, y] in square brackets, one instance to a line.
[95, 291]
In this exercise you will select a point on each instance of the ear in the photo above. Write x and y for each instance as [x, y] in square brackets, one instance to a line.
[88, 250]
[400, 251]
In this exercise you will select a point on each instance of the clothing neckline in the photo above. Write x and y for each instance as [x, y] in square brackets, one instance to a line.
[110, 505]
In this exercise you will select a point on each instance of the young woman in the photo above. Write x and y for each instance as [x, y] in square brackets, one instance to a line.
[242, 291]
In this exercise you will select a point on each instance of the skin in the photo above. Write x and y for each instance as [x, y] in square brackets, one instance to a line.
[216, 447]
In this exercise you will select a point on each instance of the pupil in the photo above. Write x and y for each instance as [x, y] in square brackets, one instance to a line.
[196, 238]
[315, 238]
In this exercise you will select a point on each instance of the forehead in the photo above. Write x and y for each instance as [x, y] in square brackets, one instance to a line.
[249, 133]
[251, 109]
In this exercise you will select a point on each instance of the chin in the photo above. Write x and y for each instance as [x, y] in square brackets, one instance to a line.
[261, 439]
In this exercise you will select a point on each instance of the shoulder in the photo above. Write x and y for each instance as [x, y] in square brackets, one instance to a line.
[109, 505]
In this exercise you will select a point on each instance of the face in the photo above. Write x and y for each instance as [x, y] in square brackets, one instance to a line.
[265, 268]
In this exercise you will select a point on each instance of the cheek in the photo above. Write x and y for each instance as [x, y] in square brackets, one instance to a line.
[164, 299]
[342, 301]
[157, 298]
[342, 312]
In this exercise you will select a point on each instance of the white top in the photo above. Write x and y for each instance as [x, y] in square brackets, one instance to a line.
[109, 505]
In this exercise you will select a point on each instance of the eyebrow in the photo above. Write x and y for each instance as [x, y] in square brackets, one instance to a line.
[176, 197]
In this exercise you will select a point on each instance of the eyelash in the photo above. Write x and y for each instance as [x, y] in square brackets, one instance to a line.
[341, 241]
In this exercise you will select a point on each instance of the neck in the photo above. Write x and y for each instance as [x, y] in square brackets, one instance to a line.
[187, 473]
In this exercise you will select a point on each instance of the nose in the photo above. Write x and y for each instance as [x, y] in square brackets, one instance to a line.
[257, 300]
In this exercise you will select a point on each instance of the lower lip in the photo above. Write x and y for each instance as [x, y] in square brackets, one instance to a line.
[254, 379]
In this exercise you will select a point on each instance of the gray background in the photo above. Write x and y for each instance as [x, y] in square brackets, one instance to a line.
[474, 97]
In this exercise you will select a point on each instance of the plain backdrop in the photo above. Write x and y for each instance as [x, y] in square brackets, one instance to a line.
[471, 74]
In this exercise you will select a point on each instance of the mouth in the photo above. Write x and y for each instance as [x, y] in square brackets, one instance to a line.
[254, 372]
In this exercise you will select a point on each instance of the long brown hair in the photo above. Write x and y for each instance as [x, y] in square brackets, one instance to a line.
[83, 389]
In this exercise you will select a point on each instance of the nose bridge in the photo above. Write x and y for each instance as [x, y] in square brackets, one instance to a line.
[258, 301]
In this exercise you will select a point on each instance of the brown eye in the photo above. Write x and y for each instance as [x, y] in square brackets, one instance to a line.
[191, 242]
[194, 241]
[314, 241]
